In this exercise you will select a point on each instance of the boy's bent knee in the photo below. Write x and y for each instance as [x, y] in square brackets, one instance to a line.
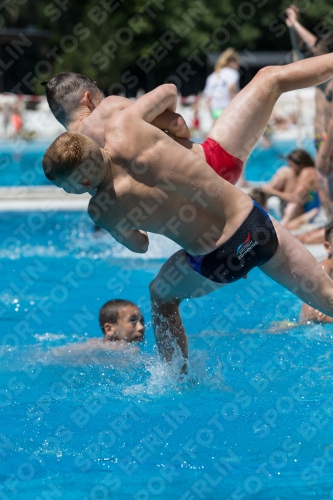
[269, 76]
[269, 71]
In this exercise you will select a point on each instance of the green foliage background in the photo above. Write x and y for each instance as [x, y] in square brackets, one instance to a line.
[64, 17]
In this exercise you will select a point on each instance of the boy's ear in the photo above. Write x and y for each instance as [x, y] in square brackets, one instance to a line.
[87, 100]
[109, 329]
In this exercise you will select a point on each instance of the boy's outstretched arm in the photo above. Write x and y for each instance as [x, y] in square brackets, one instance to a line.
[292, 13]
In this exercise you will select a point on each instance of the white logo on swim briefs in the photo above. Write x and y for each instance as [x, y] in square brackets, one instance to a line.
[247, 248]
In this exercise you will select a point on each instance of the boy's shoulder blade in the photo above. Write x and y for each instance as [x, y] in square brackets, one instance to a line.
[121, 135]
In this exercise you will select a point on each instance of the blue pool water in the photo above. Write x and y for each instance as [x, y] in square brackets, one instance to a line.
[252, 419]
[21, 163]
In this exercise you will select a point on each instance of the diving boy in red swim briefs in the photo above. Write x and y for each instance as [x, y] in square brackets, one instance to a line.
[80, 106]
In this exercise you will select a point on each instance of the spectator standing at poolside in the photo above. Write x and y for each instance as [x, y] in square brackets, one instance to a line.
[306, 44]
[223, 84]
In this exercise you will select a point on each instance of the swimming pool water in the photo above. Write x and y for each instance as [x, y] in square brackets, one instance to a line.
[21, 163]
[252, 419]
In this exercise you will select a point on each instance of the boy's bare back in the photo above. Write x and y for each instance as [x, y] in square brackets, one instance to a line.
[93, 124]
[157, 185]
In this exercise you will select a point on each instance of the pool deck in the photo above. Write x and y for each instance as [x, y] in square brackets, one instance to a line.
[41, 198]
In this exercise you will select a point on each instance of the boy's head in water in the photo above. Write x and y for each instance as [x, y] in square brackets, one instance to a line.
[121, 320]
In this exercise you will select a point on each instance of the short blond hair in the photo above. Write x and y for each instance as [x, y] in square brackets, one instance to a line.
[225, 58]
[67, 153]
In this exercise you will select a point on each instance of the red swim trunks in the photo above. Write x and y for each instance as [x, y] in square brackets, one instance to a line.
[225, 165]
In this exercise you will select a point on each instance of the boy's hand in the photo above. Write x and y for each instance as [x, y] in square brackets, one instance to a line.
[172, 123]
[178, 127]
[292, 15]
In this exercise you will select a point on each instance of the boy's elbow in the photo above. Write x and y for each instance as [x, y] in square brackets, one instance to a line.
[142, 248]
[171, 88]
[138, 248]
[135, 250]
[145, 244]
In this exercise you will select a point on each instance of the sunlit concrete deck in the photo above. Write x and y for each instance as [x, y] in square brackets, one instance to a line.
[40, 198]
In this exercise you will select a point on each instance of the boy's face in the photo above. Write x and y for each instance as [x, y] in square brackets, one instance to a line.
[73, 186]
[129, 327]
[86, 178]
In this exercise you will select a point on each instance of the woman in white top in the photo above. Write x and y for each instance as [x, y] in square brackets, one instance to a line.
[223, 84]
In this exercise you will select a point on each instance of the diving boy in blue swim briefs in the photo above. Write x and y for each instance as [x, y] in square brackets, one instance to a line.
[144, 181]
